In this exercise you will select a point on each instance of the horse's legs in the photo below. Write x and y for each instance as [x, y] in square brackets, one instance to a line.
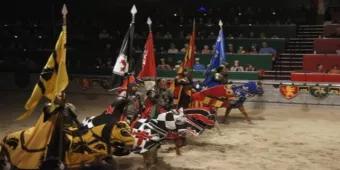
[226, 115]
[179, 142]
[4, 161]
[243, 110]
[150, 158]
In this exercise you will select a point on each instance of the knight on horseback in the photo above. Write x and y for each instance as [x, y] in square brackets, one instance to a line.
[183, 89]
[158, 100]
[219, 77]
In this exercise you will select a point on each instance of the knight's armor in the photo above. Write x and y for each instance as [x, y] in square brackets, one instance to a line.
[68, 110]
[184, 98]
[220, 78]
[165, 99]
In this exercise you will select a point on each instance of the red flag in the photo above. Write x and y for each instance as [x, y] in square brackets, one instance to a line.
[189, 58]
[149, 64]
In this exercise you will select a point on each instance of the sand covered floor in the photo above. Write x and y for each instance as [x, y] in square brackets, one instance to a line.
[287, 137]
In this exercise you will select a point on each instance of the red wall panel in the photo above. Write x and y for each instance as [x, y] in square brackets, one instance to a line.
[310, 61]
[326, 45]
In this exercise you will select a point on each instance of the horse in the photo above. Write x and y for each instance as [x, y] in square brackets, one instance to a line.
[228, 96]
[171, 125]
[82, 149]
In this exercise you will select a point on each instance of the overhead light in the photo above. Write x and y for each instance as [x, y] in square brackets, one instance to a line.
[175, 14]
[274, 13]
[39, 36]
[15, 36]
[240, 13]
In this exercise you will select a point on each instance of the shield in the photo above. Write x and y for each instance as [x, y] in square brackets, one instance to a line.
[289, 91]
[304, 89]
[334, 91]
[319, 92]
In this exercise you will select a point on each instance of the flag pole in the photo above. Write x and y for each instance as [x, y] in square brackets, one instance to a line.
[149, 22]
[61, 116]
[130, 58]
[133, 12]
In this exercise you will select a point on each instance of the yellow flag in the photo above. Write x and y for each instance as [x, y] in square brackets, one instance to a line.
[53, 79]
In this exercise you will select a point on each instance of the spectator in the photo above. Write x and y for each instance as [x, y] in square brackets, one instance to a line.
[252, 35]
[172, 49]
[205, 50]
[334, 70]
[104, 35]
[158, 35]
[197, 66]
[275, 37]
[209, 23]
[230, 36]
[268, 50]
[241, 50]
[320, 68]
[211, 35]
[178, 65]
[181, 35]
[337, 51]
[262, 35]
[188, 36]
[253, 50]
[163, 65]
[249, 67]
[236, 66]
[109, 63]
[99, 64]
[230, 49]
[213, 48]
[162, 50]
[184, 49]
[167, 35]
[200, 35]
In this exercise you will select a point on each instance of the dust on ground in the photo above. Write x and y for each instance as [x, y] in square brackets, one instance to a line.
[287, 137]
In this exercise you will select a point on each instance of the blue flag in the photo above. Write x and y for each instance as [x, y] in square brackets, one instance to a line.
[218, 59]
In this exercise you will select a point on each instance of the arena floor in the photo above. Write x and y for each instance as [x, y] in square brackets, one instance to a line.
[287, 137]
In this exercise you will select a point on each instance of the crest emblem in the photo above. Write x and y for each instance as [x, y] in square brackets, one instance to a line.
[334, 91]
[289, 91]
[304, 89]
[319, 92]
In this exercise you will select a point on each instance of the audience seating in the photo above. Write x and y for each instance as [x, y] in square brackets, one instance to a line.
[309, 74]
[310, 61]
[315, 77]
[259, 61]
[326, 45]
[200, 75]
[331, 30]
[278, 44]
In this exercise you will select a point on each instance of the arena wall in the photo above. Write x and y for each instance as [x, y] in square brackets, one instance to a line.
[271, 95]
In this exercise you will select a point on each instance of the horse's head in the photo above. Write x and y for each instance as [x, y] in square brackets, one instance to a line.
[253, 88]
[203, 116]
[121, 138]
[194, 121]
